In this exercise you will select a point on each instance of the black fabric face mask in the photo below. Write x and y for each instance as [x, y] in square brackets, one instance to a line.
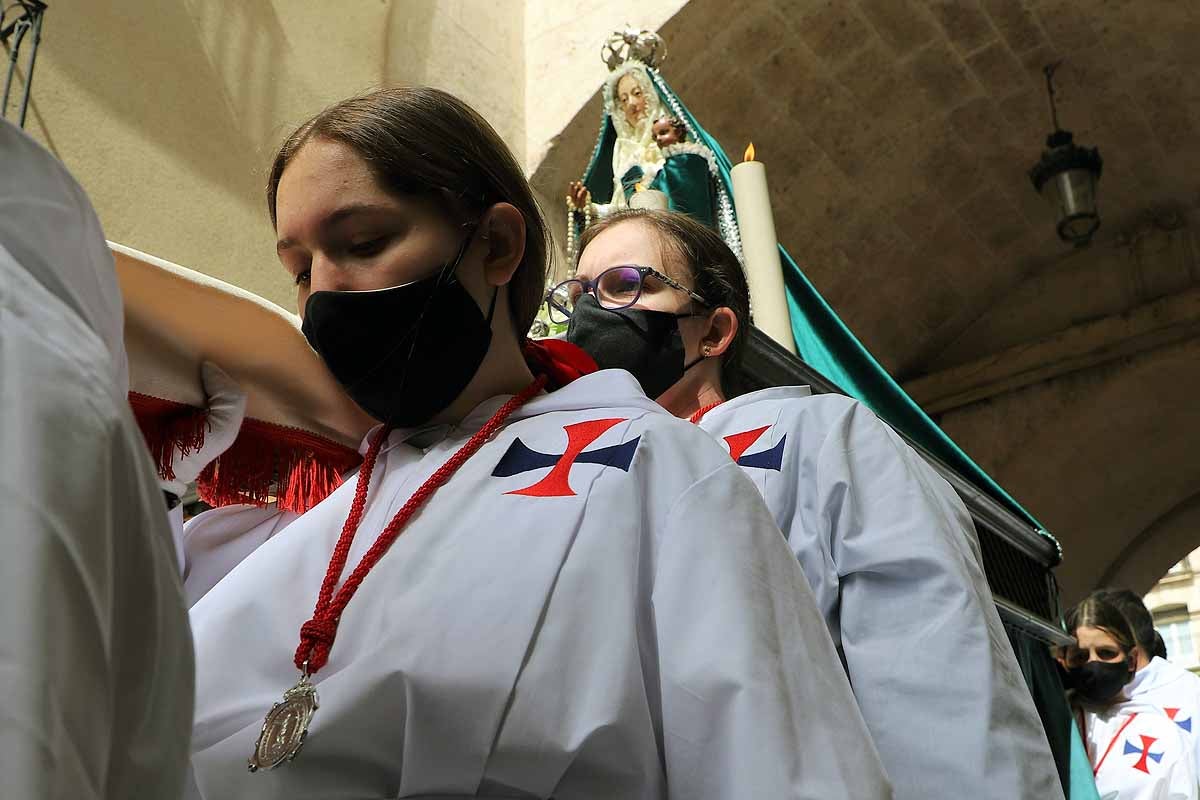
[1099, 682]
[646, 343]
[405, 353]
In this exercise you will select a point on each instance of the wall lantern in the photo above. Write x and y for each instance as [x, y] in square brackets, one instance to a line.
[1066, 176]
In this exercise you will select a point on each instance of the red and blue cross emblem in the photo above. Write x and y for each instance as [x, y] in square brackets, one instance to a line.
[1173, 715]
[521, 458]
[739, 443]
[1143, 752]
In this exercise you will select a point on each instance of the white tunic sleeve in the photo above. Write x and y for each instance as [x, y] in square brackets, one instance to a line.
[925, 650]
[754, 702]
[96, 668]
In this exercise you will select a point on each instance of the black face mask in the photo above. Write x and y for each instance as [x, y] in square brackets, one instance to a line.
[403, 353]
[1099, 682]
[646, 343]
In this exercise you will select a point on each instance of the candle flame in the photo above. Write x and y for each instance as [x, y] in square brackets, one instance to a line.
[749, 156]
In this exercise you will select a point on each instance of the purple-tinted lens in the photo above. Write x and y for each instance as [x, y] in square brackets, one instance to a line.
[619, 287]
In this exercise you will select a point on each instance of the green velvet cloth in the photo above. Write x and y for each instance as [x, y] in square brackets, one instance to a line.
[599, 175]
[823, 340]
[686, 182]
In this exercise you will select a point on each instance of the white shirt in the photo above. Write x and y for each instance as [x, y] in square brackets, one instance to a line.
[1174, 690]
[95, 652]
[1137, 753]
[627, 626]
[892, 557]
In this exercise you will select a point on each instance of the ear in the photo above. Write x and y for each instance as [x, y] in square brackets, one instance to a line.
[502, 234]
[722, 330]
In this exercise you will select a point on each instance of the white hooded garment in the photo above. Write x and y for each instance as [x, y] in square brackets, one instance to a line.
[626, 625]
[893, 560]
[1138, 753]
[95, 652]
[1176, 692]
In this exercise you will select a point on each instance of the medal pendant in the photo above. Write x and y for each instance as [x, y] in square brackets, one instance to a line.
[285, 727]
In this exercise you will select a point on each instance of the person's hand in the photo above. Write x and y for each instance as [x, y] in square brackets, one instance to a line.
[577, 195]
[226, 410]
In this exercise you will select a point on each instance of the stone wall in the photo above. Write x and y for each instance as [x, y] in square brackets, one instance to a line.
[169, 112]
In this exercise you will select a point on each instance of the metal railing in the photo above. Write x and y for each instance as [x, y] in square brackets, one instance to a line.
[18, 20]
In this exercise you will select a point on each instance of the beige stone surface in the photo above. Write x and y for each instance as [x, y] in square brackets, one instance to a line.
[169, 112]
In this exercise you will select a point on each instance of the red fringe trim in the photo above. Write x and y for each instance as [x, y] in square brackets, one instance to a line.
[297, 468]
[168, 426]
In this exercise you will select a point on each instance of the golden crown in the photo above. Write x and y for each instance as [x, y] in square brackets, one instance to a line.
[633, 45]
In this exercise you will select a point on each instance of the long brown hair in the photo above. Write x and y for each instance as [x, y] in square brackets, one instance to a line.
[713, 269]
[1100, 610]
[426, 142]
[1141, 622]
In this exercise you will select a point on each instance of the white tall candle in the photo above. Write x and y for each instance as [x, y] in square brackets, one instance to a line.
[760, 248]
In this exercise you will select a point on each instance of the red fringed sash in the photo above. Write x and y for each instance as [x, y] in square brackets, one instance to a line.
[299, 469]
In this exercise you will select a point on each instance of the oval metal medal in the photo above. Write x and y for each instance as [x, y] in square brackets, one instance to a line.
[285, 727]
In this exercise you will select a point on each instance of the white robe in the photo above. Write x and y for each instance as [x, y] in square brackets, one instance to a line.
[1176, 692]
[634, 631]
[1147, 759]
[95, 652]
[892, 557]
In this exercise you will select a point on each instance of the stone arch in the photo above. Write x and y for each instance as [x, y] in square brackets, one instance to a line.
[1149, 555]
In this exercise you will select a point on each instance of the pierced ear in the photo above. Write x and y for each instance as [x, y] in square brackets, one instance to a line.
[502, 237]
[722, 330]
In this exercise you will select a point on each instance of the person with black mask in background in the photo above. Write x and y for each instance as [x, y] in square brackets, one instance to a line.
[1156, 681]
[1136, 751]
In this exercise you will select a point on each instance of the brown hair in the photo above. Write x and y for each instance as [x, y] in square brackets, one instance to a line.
[1100, 610]
[713, 269]
[426, 142]
[1141, 622]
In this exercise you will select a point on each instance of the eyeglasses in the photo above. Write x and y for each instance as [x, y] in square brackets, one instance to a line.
[615, 288]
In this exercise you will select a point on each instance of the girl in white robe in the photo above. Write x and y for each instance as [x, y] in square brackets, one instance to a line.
[596, 604]
[1137, 752]
[886, 544]
[1173, 690]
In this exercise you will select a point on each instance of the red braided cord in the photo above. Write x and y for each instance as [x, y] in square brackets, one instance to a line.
[699, 415]
[317, 635]
[341, 550]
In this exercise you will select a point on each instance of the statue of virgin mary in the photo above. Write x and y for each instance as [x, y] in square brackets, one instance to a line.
[650, 151]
